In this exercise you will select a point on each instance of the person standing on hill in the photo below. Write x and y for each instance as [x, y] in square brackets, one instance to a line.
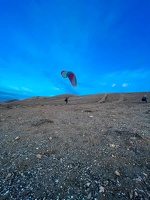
[66, 99]
[144, 98]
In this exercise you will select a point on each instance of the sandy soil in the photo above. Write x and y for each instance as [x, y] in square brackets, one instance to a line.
[95, 147]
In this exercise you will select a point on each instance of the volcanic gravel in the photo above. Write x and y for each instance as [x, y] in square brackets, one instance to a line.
[95, 147]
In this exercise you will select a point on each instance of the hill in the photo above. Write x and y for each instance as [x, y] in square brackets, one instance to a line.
[95, 147]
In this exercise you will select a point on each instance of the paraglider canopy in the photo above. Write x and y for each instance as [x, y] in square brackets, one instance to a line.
[71, 76]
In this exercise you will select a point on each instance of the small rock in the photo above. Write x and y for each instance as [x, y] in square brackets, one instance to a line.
[145, 174]
[39, 156]
[21, 174]
[17, 138]
[112, 145]
[89, 196]
[56, 181]
[6, 193]
[136, 194]
[117, 173]
[8, 175]
[139, 179]
[91, 116]
[101, 188]
[131, 194]
[88, 184]
[132, 138]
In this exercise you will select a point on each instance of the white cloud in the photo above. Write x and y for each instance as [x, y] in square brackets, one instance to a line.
[113, 85]
[103, 83]
[14, 88]
[124, 84]
[56, 88]
[26, 89]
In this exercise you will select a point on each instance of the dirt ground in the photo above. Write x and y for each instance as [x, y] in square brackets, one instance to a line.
[95, 147]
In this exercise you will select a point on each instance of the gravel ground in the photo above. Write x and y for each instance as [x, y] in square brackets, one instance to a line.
[96, 147]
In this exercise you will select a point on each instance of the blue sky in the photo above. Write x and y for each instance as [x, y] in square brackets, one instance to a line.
[106, 43]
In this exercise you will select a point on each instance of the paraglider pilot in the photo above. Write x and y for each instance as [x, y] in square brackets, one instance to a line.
[66, 99]
[144, 98]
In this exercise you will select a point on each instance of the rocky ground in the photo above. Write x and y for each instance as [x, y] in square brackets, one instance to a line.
[95, 147]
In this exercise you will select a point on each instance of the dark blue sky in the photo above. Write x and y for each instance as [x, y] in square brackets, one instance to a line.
[106, 43]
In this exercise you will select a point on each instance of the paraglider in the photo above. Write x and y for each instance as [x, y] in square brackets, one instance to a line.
[71, 76]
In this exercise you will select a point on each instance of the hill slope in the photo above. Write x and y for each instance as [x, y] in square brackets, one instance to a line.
[95, 147]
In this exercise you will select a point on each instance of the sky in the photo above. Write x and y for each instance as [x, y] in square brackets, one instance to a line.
[106, 43]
